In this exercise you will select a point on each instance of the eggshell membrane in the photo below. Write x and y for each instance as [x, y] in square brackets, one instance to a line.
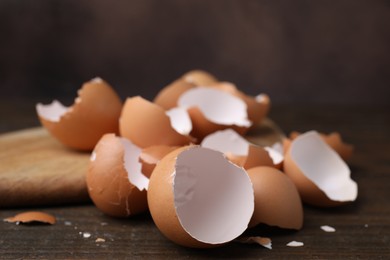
[146, 124]
[199, 78]
[150, 156]
[321, 176]
[212, 110]
[257, 107]
[95, 112]
[277, 201]
[108, 179]
[237, 149]
[168, 96]
[215, 214]
[335, 141]
[32, 216]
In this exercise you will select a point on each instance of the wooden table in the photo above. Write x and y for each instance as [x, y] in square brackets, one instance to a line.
[362, 228]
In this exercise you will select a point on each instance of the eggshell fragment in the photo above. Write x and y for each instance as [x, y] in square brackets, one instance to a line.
[32, 216]
[95, 112]
[200, 78]
[263, 241]
[150, 156]
[335, 141]
[197, 198]
[212, 110]
[237, 149]
[168, 96]
[295, 244]
[257, 107]
[276, 153]
[321, 176]
[146, 124]
[115, 182]
[277, 201]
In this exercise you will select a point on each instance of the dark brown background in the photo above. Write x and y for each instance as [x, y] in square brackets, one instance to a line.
[330, 52]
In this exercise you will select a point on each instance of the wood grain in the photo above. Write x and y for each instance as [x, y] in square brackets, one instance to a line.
[37, 170]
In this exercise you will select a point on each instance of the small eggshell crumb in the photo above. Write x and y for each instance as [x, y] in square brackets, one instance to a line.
[327, 228]
[295, 244]
[263, 241]
[32, 216]
[86, 235]
[100, 240]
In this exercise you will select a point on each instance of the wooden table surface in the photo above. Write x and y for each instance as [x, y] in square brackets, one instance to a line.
[362, 228]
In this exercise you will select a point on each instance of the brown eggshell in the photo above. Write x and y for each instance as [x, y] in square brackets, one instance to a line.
[335, 141]
[32, 216]
[108, 182]
[182, 200]
[257, 109]
[150, 156]
[146, 124]
[277, 201]
[199, 78]
[168, 96]
[95, 112]
[324, 165]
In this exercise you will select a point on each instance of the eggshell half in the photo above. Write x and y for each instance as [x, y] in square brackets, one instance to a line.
[199, 78]
[115, 182]
[212, 110]
[277, 201]
[335, 141]
[197, 198]
[146, 124]
[95, 112]
[168, 96]
[321, 176]
[237, 149]
[32, 216]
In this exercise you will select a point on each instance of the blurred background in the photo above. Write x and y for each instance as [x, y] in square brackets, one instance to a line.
[298, 52]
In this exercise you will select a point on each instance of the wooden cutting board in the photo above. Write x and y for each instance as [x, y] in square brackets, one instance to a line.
[35, 169]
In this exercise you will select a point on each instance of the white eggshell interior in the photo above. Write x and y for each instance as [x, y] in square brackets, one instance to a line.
[213, 198]
[53, 111]
[275, 152]
[323, 166]
[132, 164]
[226, 141]
[180, 120]
[217, 106]
[260, 98]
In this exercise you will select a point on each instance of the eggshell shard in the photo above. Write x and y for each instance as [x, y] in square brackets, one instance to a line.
[95, 112]
[237, 149]
[197, 198]
[180, 120]
[200, 78]
[257, 107]
[335, 141]
[146, 124]
[321, 176]
[168, 96]
[150, 156]
[32, 216]
[276, 152]
[114, 179]
[212, 110]
[277, 201]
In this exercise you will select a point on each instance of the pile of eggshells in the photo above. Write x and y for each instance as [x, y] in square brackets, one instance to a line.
[183, 157]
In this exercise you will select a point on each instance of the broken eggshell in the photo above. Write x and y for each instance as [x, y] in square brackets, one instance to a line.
[211, 110]
[197, 198]
[277, 201]
[146, 124]
[150, 156]
[199, 78]
[237, 149]
[257, 107]
[335, 141]
[114, 179]
[321, 176]
[95, 112]
[31, 217]
[168, 96]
